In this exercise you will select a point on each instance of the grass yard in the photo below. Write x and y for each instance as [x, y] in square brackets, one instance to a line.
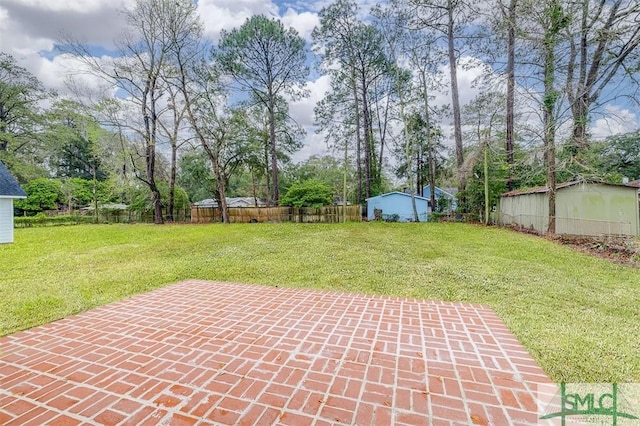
[578, 315]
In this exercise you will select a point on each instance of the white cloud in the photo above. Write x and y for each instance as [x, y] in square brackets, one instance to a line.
[30, 29]
[615, 120]
[468, 71]
[314, 144]
[63, 69]
[16, 41]
[302, 112]
[93, 21]
[218, 15]
[84, 6]
[303, 23]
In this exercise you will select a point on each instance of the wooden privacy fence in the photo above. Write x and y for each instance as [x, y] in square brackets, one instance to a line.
[327, 214]
[128, 216]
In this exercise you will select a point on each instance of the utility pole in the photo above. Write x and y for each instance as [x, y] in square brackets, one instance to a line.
[95, 191]
[344, 185]
[486, 182]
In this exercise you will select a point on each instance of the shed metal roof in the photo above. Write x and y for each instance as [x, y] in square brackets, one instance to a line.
[545, 189]
[404, 194]
[9, 187]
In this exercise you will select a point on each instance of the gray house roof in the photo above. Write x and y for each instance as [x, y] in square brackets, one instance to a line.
[9, 187]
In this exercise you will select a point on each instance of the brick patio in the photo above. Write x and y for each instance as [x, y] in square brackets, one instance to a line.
[201, 352]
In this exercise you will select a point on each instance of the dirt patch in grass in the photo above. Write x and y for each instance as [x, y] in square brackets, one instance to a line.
[623, 250]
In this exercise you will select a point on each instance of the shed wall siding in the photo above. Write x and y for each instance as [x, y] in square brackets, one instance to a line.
[583, 209]
[6, 220]
[528, 210]
[602, 209]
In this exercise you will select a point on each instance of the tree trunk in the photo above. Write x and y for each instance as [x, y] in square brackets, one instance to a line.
[580, 113]
[254, 190]
[222, 202]
[177, 118]
[486, 182]
[273, 151]
[344, 182]
[383, 133]
[596, 66]
[158, 219]
[267, 174]
[172, 181]
[511, 82]
[432, 181]
[151, 182]
[550, 160]
[148, 112]
[367, 138]
[455, 96]
[557, 21]
[580, 104]
[419, 183]
[358, 140]
[408, 154]
[220, 182]
[4, 142]
[213, 157]
[157, 206]
[430, 145]
[95, 194]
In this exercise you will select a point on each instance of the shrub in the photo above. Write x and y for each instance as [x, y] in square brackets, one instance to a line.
[310, 193]
[43, 220]
[42, 194]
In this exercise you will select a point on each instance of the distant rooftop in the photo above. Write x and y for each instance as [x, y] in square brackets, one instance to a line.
[111, 206]
[231, 202]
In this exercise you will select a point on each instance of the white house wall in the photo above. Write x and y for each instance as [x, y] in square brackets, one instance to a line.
[6, 220]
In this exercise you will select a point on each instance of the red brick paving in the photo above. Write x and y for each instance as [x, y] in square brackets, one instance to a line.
[201, 352]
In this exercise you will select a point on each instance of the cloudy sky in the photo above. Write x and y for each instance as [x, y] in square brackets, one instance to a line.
[29, 30]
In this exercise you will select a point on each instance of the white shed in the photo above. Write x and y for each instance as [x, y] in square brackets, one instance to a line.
[9, 191]
[582, 208]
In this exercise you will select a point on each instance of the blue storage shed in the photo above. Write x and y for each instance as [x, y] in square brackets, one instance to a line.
[396, 205]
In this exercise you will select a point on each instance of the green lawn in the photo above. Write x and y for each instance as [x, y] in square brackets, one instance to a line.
[578, 315]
